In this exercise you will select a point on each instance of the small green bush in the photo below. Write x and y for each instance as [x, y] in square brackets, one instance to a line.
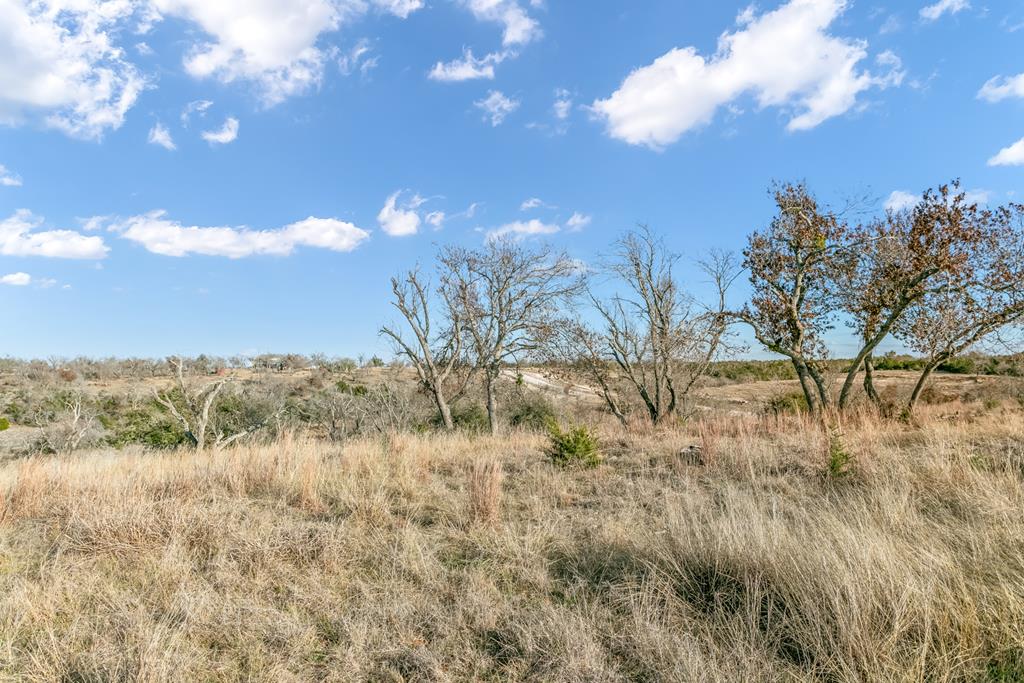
[5, 424]
[577, 447]
[840, 461]
[470, 417]
[140, 426]
[533, 413]
[787, 404]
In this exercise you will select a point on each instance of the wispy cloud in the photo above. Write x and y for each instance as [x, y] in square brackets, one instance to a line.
[497, 107]
[226, 134]
[159, 135]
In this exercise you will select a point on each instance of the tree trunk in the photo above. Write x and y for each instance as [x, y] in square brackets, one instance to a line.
[869, 380]
[444, 410]
[921, 382]
[805, 384]
[492, 401]
[824, 395]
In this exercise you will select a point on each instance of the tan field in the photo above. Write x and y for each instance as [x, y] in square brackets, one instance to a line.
[718, 551]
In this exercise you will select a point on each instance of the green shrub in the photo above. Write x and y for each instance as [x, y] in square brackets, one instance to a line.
[958, 366]
[5, 424]
[141, 426]
[470, 417]
[533, 413]
[787, 404]
[577, 447]
[840, 461]
[354, 389]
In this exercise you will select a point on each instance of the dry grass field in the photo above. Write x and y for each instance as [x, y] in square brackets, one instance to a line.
[720, 551]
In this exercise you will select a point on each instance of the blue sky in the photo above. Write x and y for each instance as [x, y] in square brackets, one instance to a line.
[180, 176]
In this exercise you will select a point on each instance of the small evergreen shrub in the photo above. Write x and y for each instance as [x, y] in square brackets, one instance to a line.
[840, 461]
[5, 424]
[577, 447]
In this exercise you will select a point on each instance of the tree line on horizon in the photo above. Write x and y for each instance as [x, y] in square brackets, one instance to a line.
[941, 277]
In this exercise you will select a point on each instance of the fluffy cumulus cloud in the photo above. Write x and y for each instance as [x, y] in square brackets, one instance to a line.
[9, 178]
[1001, 88]
[496, 107]
[20, 236]
[161, 235]
[400, 219]
[276, 45]
[784, 58]
[16, 279]
[1009, 156]
[224, 135]
[520, 28]
[59, 59]
[936, 10]
[63, 60]
[159, 135]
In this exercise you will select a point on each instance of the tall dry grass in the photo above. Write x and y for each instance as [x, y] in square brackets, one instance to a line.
[451, 558]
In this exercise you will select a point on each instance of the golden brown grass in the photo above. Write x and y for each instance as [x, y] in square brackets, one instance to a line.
[434, 558]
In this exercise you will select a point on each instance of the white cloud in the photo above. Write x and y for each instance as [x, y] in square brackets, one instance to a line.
[9, 179]
[159, 135]
[227, 133]
[496, 107]
[399, 220]
[400, 8]
[58, 59]
[160, 235]
[899, 200]
[16, 279]
[520, 28]
[933, 12]
[358, 58]
[531, 203]
[1009, 156]
[19, 236]
[467, 68]
[784, 58]
[577, 222]
[435, 218]
[196, 107]
[523, 229]
[563, 104]
[272, 43]
[1000, 88]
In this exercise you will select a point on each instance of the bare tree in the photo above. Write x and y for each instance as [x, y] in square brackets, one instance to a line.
[435, 357]
[899, 261]
[192, 406]
[659, 339]
[973, 305]
[578, 346]
[506, 296]
[791, 264]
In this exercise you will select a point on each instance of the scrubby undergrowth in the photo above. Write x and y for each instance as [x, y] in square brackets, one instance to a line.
[412, 558]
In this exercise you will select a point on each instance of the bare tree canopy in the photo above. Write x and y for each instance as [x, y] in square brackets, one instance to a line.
[507, 296]
[655, 336]
[435, 356]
